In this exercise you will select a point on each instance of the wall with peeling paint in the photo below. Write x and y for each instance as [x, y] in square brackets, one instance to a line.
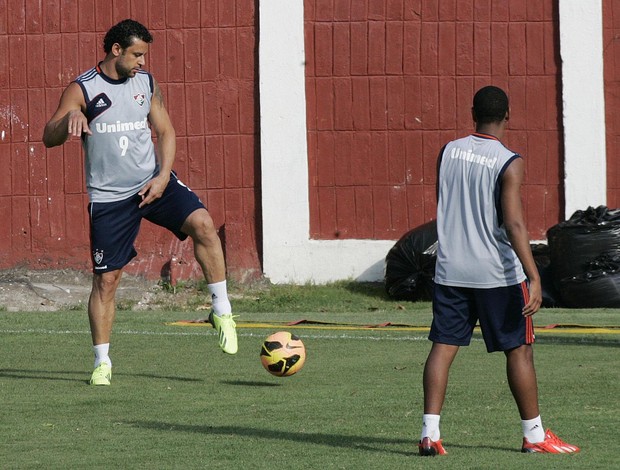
[204, 58]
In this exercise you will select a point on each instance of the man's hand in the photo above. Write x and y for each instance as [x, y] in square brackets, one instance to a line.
[153, 189]
[77, 123]
[535, 299]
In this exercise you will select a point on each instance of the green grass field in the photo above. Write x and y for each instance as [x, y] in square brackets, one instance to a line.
[176, 401]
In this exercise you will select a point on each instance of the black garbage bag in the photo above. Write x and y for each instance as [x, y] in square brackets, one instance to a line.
[597, 287]
[410, 264]
[550, 295]
[574, 243]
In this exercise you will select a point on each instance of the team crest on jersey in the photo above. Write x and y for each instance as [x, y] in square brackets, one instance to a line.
[139, 98]
[98, 256]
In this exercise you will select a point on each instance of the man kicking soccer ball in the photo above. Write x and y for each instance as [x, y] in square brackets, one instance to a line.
[484, 261]
[112, 108]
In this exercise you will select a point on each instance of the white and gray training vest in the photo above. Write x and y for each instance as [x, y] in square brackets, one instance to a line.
[120, 155]
[473, 247]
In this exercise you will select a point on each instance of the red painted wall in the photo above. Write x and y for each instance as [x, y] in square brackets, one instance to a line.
[388, 83]
[203, 56]
[611, 56]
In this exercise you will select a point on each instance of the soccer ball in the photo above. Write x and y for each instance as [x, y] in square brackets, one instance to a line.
[283, 354]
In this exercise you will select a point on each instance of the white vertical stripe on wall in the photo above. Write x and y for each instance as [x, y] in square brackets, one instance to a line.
[581, 49]
[289, 256]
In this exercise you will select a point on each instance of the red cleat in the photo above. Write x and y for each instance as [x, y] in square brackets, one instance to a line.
[551, 445]
[431, 448]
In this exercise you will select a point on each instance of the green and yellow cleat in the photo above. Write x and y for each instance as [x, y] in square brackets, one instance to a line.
[226, 330]
[102, 375]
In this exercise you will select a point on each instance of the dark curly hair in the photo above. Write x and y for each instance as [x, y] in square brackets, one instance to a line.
[490, 105]
[124, 33]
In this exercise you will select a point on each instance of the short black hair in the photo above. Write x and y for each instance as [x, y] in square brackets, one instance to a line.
[124, 33]
[490, 105]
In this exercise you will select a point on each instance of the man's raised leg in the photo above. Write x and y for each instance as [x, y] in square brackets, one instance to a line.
[210, 256]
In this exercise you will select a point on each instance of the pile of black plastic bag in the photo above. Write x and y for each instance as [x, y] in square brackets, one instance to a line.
[579, 265]
[410, 264]
[585, 258]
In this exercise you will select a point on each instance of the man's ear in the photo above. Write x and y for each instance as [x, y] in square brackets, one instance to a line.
[473, 114]
[117, 50]
[507, 117]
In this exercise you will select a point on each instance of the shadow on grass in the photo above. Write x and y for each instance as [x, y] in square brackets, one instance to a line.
[59, 375]
[369, 443]
[251, 383]
[41, 374]
[375, 290]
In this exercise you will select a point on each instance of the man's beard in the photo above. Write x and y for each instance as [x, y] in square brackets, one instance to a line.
[123, 72]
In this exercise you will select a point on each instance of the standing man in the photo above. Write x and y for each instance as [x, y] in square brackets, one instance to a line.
[113, 108]
[484, 263]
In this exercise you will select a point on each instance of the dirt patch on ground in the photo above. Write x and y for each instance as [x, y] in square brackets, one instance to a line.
[23, 290]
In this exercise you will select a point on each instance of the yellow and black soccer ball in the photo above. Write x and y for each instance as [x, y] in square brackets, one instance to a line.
[283, 354]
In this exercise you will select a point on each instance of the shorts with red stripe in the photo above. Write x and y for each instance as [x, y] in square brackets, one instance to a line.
[457, 310]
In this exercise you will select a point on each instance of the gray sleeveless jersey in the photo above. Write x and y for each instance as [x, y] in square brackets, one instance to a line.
[120, 155]
[473, 249]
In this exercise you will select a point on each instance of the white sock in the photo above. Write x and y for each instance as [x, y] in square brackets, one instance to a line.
[533, 429]
[430, 427]
[101, 353]
[219, 298]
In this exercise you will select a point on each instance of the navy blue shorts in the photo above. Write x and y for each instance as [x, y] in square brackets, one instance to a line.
[456, 310]
[114, 226]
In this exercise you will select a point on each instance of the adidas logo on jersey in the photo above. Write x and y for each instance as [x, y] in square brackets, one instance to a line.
[98, 105]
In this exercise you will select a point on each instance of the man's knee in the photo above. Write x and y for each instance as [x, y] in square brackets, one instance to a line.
[523, 353]
[106, 283]
[200, 226]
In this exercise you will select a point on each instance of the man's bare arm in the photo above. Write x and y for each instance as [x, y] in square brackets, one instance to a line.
[165, 150]
[68, 120]
[516, 229]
